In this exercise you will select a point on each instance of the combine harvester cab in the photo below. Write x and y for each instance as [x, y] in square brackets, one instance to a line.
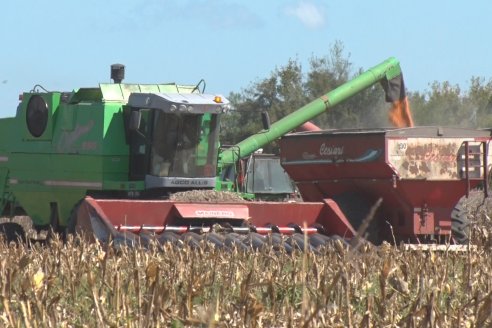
[419, 173]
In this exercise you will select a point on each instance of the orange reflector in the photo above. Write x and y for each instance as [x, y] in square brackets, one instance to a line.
[218, 99]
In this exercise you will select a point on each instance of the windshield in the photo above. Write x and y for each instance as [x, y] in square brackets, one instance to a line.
[184, 145]
[266, 175]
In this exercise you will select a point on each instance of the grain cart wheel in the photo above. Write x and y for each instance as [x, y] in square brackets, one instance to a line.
[12, 232]
[460, 225]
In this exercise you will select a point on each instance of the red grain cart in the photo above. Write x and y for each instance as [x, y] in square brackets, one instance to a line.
[419, 173]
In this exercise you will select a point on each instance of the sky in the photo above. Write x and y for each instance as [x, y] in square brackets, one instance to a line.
[66, 44]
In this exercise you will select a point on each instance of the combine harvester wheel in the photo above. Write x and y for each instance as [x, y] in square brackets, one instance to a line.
[12, 232]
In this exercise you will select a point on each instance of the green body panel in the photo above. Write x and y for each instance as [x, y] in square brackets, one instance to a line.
[388, 70]
[83, 148]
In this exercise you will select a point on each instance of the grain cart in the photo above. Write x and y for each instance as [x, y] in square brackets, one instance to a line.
[420, 173]
[103, 161]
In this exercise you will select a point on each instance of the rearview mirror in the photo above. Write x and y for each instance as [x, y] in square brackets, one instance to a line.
[135, 118]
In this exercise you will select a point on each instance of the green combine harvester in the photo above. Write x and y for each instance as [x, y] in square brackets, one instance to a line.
[67, 157]
[113, 141]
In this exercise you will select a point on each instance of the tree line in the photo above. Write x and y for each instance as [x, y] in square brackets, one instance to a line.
[288, 88]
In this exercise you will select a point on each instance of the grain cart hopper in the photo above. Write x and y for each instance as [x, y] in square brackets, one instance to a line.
[420, 173]
[104, 161]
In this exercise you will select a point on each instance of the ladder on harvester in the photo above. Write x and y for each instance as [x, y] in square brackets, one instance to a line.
[6, 196]
[475, 164]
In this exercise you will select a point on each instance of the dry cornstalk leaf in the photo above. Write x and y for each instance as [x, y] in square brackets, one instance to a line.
[38, 279]
[151, 272]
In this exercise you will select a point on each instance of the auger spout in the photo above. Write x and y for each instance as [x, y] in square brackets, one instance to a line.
[388, 73]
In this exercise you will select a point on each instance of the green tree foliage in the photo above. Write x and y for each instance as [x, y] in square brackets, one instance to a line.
[277, 95]
[289, 88]
[447, 105]
[440, 106]
[363, 110]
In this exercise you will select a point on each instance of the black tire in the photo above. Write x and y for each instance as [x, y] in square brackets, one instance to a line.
[12, 232]
[460, 225]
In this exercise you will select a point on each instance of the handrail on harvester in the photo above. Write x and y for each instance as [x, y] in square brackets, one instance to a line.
[388, 72]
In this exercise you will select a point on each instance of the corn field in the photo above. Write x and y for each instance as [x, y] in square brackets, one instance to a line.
[80, 284]
[87, 285]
